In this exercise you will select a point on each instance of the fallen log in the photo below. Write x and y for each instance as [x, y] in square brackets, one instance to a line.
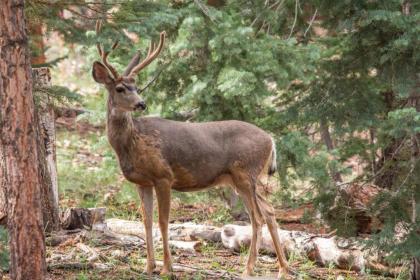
[184, 232]
[78, 266]
[324, 250]
[188, 246]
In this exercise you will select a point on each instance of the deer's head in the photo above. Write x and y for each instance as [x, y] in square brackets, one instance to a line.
[122, 89]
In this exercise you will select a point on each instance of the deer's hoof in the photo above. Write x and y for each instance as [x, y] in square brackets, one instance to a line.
[166, 272]
[248, 273]
[283, 273]
[150, 268]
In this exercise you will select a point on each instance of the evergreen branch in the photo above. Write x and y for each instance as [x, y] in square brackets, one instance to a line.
[51, 63]
[85, 16]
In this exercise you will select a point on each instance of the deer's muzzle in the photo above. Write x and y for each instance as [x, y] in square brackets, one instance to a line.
[140, 106]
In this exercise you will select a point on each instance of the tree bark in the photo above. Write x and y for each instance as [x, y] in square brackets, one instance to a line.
[216, 3]
[18, 139]
[3, 208]
[45, 120]
[326, 137]
[38, 46]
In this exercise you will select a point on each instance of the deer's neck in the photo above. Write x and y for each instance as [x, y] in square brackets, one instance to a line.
[120, 124]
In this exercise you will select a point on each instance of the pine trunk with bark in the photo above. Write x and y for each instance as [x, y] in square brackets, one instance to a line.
[19, 134]
[3, 209]
[45, 120]
[326, 137]
[37, 38]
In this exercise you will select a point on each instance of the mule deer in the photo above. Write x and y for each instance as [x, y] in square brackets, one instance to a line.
[160, 154]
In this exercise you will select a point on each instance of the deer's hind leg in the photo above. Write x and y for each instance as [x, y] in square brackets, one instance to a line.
[269, 216]
[244, 185]
[146, 196]
[163, 194]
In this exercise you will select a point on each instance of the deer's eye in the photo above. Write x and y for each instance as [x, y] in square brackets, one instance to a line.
[119, 89]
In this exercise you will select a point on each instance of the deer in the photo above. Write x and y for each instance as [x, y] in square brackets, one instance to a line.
[160, 155]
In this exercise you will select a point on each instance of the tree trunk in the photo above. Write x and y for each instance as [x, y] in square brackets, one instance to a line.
[38, 46]
[415, 269]
[216, 3]
[326, 137]
[45, 120]
[3, 209]
[19, 145]
[388, 160]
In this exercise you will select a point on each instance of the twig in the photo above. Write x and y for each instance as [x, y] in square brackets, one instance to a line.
[311, 22]
[152, 80]
[204, 9]
[71, 266]
[324, 235]
[295, 19]
[93, 255]
[260, 14]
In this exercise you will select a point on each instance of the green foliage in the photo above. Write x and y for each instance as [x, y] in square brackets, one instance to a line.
[4, 252]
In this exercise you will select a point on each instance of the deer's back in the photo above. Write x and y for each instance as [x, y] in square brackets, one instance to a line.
[199, 153]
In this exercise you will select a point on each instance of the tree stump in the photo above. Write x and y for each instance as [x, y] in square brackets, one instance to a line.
[81, 218]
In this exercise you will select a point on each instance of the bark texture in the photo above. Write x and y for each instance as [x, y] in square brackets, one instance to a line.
[80, 218]
[415, 269]
[3, 209]
[45, 121]
[37, 37]
[19, 147]
[326, 137]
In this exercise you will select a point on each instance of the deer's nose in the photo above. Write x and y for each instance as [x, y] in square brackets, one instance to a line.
[140, 105]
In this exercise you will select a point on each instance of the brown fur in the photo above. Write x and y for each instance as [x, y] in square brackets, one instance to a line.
[161, 154]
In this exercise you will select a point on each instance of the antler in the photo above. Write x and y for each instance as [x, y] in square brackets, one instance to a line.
[151, 55]
[104, 54]
[134, 61]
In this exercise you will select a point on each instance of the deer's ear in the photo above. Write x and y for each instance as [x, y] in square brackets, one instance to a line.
[101, 74]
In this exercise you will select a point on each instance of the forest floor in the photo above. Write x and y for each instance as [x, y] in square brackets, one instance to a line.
[89, 177]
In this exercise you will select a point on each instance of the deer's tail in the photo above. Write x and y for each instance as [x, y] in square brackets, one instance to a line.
[273, 164]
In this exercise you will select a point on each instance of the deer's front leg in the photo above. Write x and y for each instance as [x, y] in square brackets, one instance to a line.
[163, 194]
[146, 195]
